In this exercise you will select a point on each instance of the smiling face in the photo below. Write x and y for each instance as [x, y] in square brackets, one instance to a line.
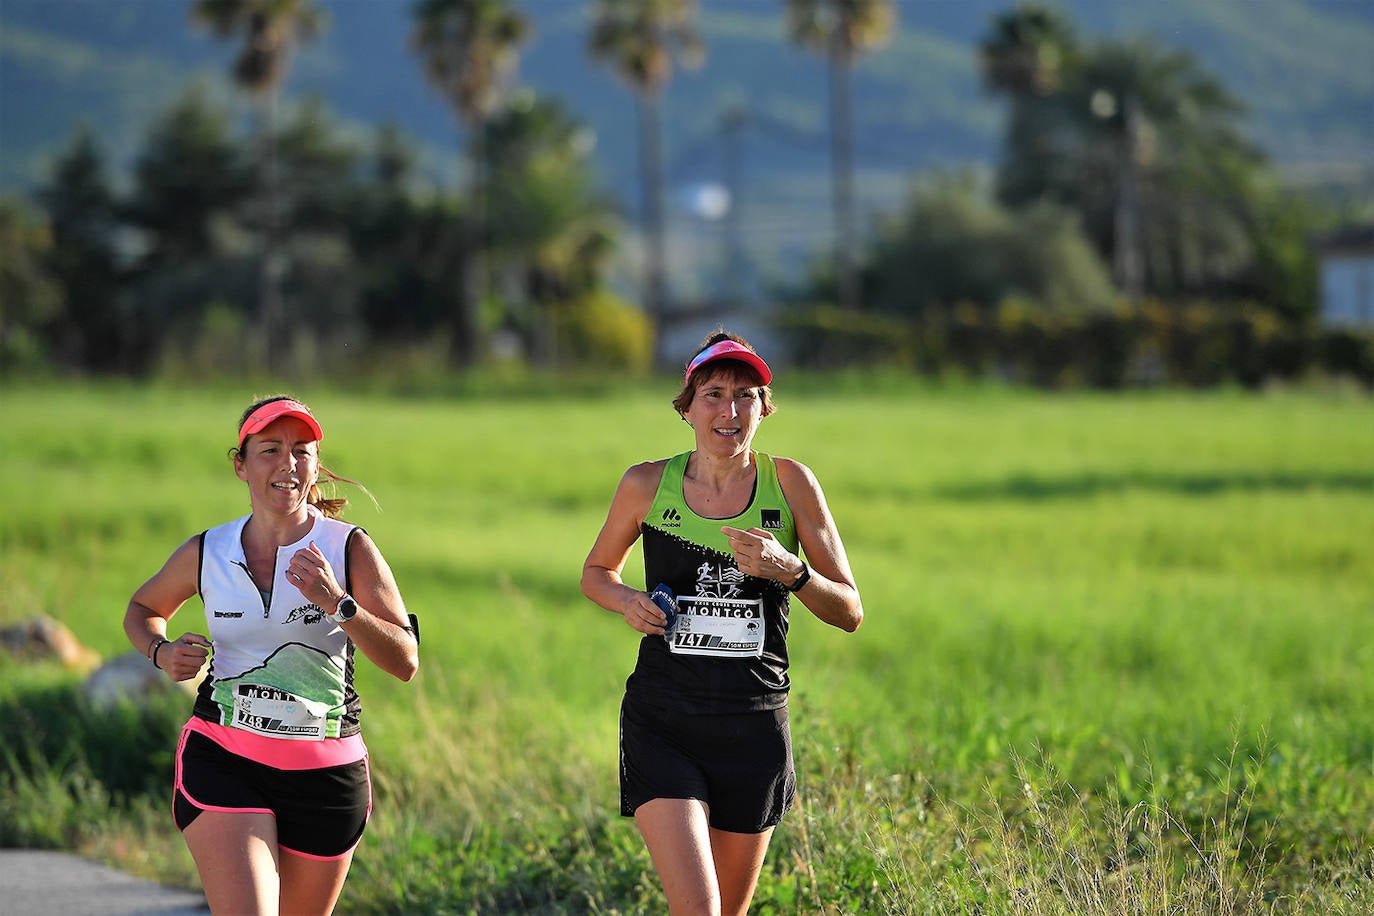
[725, 411]
[280, 465]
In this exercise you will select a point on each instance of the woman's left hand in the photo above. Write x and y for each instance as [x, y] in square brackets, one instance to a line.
[758, 553]
[312, 575]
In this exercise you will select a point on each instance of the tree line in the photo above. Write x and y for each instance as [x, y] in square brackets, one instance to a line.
[1130, 235]
[1124, 180]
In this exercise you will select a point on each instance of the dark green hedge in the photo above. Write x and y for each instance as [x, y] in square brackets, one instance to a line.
[1199, 344]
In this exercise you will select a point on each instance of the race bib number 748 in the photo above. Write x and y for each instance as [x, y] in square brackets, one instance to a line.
[277, 713]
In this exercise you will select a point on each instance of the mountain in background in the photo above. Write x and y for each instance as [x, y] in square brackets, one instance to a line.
[1304, 69]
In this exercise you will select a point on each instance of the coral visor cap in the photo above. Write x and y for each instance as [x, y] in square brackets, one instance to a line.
[728, 349]
[270, 412]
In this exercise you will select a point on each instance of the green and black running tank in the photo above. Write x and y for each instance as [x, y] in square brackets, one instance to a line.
[727, 653]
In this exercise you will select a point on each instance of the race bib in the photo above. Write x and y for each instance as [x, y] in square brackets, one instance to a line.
[277, 713]
[722, 627]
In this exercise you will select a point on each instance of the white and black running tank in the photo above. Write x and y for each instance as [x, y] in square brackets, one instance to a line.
[279, 667]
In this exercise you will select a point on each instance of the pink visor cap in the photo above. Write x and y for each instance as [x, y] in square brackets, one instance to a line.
[729, 349]
[272, 411]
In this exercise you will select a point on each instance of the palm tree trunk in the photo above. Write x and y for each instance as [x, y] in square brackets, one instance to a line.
[271, 257]
[842, 175]
[466, 330]
[656, 255]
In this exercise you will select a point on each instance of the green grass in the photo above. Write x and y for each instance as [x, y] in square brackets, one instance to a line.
[1115, 657]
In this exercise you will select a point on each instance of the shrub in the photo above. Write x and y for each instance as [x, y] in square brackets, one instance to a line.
[599, 328]
[1200, 344]
[126, 748]
[1348, 353]
[825, 337]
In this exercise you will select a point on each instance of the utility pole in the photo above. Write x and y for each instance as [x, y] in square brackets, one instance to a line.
[842, 171]
[1127, 260]
[734, 261]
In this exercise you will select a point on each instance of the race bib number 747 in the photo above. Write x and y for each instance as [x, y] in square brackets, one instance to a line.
[722, 627]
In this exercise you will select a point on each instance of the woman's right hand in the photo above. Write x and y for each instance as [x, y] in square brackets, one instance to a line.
[183, 657]
[643, 615]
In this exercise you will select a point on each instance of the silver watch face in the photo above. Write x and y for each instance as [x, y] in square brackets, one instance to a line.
[347, 609]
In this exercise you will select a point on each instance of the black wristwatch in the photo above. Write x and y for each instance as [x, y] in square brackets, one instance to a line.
[345, 611]
[802, 579]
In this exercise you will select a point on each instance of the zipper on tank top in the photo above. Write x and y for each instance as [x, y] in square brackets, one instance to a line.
[266, 596]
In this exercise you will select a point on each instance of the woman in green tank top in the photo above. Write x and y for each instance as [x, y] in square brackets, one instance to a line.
[706, 760]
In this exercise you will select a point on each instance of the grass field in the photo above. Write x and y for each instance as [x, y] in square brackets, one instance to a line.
[1116, 655]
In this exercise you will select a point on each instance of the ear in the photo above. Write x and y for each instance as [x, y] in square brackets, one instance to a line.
[240, 468]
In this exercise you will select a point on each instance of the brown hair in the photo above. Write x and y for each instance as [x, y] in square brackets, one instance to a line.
[332, 507]
[738, 367]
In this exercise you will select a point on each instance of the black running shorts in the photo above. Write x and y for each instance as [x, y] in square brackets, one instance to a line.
[739, 764]
[320, 813]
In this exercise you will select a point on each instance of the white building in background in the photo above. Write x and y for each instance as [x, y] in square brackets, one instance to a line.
[1345, 261]
[686, 326]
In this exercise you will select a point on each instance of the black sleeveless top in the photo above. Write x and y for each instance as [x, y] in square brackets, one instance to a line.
[728, 652]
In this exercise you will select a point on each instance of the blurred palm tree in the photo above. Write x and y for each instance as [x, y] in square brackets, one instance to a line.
[552, 231]
[1137, 139]
[842, 30]
[1028, 53]
[1027, 50]
[270, 31]
[470, 50]
[1164, 172]
[638, 39]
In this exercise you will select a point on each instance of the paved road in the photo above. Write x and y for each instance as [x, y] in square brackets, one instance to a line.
[50, 883]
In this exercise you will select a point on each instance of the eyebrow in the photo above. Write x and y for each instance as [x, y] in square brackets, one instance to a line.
[278, 441]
